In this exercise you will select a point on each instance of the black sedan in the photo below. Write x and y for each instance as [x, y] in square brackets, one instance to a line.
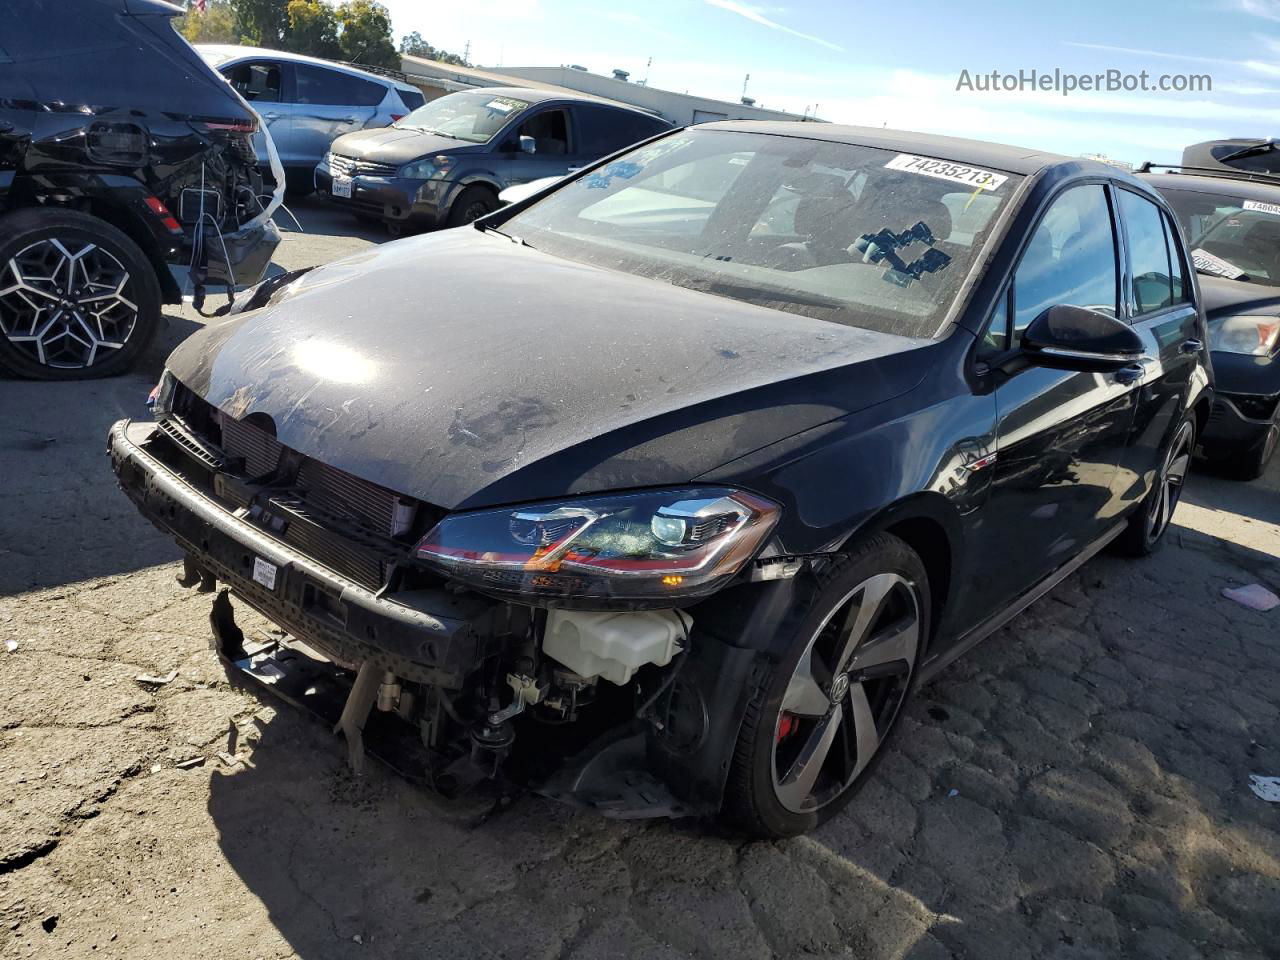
[660, 492]
[1232, 221]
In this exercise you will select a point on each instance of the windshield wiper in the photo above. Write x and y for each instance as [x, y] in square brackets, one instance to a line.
[1265, 146]
[506, 236]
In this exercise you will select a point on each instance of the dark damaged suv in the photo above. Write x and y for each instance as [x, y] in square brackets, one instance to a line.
[660, 491]
[122, 155]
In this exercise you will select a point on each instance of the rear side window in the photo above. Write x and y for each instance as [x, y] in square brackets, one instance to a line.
[1071, 259]
[604, 130]
[1151, 286]
[256, 82]
[318, 85]
[412, 99]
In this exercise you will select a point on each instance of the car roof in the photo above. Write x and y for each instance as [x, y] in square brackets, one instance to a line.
[978, 153]
[532, 95]
[1238, 185]
[234, 51]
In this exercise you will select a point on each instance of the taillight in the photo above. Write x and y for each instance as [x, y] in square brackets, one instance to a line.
[397, 116]
[156, 206]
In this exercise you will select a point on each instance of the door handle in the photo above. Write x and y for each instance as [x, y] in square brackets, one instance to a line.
[1192, 345]
[271, 116]
[1130, 374]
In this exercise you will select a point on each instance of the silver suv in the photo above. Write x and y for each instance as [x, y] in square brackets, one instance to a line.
[306, 102]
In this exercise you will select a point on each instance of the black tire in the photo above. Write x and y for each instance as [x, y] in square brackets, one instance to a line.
[1253, 464]
[756, 795]
[1147, 525]
[37, 246]
[299, 183]
[474, 201]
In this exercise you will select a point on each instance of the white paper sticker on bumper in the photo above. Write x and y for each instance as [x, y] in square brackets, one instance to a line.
[264, 573]
[946, 170]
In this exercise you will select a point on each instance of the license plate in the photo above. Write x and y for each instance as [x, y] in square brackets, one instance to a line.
[264, 573]
[341, 186]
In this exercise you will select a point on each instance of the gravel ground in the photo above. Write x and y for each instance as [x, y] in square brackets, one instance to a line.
[1076, 788]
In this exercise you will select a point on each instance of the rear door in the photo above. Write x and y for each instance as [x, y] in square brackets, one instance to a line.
[1060, 434]
[603, 130]
[327, 104]
[265, 84]
[1159, 300]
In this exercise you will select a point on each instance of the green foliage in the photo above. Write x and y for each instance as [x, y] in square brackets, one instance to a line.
[415, 46]
[263, 23]
[313, 29]
[216, 25]
[358, 31]
[366, 34]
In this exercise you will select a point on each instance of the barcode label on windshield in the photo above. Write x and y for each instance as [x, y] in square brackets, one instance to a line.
[946, 170]
[1206, 262]
[1261, 207]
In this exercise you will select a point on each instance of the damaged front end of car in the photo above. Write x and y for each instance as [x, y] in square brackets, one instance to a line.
[545, 646]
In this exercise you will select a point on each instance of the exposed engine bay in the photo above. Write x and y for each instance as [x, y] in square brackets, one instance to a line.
[455, 688]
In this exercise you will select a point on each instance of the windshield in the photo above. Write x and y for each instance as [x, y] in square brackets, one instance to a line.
[857, 235]
[1230, 236]
[474, 117]
[213, 57]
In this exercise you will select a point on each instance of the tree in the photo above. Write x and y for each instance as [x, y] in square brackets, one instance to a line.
[263, 22]
[366, 34]
[313, 29]
[415, 46]
[216, 25]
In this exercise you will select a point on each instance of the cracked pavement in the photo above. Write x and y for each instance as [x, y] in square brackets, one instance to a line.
[1076, 787]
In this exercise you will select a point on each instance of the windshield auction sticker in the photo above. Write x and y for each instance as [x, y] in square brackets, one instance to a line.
[945, 170]
[1206, 262]
[1258, 205]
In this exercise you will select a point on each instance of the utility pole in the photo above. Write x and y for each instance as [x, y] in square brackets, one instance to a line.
[466, 53]
[745, 81]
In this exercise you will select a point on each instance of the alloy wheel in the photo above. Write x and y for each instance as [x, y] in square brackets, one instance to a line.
[845, 692]
[1173, 474]
[66, 305]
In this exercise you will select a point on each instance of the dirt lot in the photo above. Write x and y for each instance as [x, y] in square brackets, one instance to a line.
[1076, 788]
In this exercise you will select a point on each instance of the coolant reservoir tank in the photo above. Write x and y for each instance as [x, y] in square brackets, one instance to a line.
[614, 644]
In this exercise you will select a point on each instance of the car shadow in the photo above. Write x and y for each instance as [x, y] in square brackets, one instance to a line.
[64, 515]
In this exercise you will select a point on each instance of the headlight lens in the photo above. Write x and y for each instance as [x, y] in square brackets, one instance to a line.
[1251, 336]
[666, 545]
[425, 168]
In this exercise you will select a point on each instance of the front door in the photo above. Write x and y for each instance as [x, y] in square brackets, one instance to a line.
[262, 83]
[553, 147]
[1060, 434]
[1163, 312]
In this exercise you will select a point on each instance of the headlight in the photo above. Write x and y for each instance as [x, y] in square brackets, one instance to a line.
[667, 545]
[1251, 336]
[425, 168]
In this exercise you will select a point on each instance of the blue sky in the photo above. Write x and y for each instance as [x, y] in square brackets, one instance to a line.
[896, 63]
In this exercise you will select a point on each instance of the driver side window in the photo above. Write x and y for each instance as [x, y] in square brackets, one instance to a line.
[1071, 260]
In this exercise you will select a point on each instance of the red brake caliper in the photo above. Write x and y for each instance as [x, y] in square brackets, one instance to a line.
[787, 723]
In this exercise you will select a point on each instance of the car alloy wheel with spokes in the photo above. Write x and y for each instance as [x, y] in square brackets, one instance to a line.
[845, 692]
[1168, 489]
[844, 669]
[78, 297]
[66, 304]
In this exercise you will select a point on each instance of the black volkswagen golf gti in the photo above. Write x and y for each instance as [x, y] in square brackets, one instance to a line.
[661, 491]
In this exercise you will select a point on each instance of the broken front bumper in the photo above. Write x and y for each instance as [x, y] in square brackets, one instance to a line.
[428, 635]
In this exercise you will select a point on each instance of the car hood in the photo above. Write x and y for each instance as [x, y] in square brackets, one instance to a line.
[466, 370]
[1223, 296]
[395, 144]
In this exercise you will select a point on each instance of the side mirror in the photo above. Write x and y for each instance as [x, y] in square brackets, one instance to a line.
[528, 145]
[1077, 338]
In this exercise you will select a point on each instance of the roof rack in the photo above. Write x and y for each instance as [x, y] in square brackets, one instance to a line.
[380, 71]
[1227, 173]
